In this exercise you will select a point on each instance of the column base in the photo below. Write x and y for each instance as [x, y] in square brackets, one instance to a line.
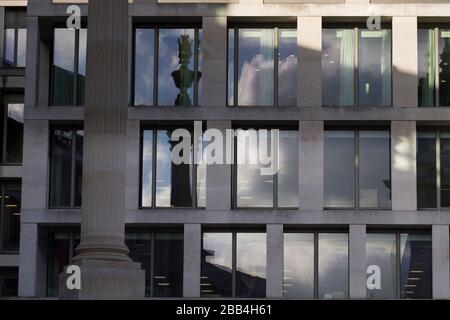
[105, 280]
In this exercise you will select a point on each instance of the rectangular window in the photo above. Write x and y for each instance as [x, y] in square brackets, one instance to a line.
[9, 282]
[357, 169]
[159, 251]
[315, 265]
[433, 169]
[433, 67]
[69, 67]
[356, 67]
[11, 129]
[10, 192]
[257, 188]
[166, 63]
[165, 183]
[403, 260]
[233, 264]
[15, 41]
[255, 78]
[66, 166]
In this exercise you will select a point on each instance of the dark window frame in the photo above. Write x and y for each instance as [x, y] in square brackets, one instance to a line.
[398, 233]
[234, 195]
[437, 131]
[357, 28]
[6, 100]
[235, 27]
[156, 27]
[233, 232]
[73, 128]
[15, 184]
[16, 48]
[194, 183]
[436, 29]
[316, 232]
[75, 98]
[356, 131]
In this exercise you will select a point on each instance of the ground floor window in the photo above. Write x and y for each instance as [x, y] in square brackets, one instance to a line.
[9, 282]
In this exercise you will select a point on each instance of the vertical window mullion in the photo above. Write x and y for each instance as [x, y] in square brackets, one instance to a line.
[196, 47]
[234, 264]
[5, 127]
[16, 40]
[72, 168]
[356, 72]
[152, 262]
[438, 169]
[398, 266]
[275, 176]
[2, 213]
[436, 66]
[194, 171]
[155, 67]
[236, 66]
[275, 66]
[356, 143]
[316, 264]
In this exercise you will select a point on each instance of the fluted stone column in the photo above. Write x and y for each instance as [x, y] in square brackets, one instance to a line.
[106, 270]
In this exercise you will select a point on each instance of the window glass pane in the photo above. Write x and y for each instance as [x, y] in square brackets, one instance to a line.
[426, 170]
[57, 258]
[298, 265]
[168, 265]
[445, 169]
[63, 66]
[21, 47]
[338, 67]
[9, 282]
[415, 266]
[144, 67]
[287, 67]
[374, 169]
[201, 175]
[256, 67]
[375, 68]
[427, 67]
[339, 169]
[147, 161]
[173, 181]
[81, 66]
[11, 217]
[216, 279]
[60, 167]
[253, 188]
[333, 265]
[231, 74]
[288, 169]
[444, 67]
[78, 167]
[176, 67]
[8, 59]
[200, 59]
[140, 246]
[250, 265]
[382, 252]
[14, 133]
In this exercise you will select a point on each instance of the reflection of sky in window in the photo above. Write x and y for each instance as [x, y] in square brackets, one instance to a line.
[381, 251]
[339, 169]
[64, 49]
[147, 161]
[288, 169]
[374, 169]
[9, 46]
[219, 249]
[256, 75]
[82, 52]
[298, 265]
[251, 253]
[144, 65]
[287, 67]
[333, 265]
[15, 111]
[21, 47]
[168, 62]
